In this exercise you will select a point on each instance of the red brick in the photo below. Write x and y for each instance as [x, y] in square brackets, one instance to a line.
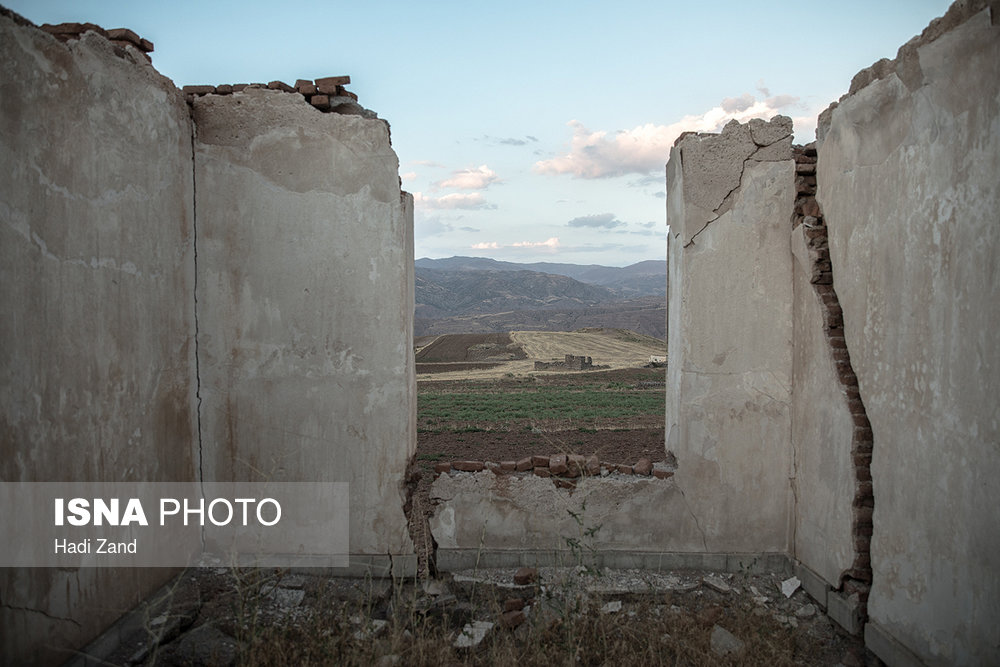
[65, 31]
[342, 92]
[557, 464]
[662, 474]
[577, 464]
[468, 466]
[625, 470]
[328, 84]
[198, 90]
[442, 466]
[542, 472]
[305, 87]
[125, 35]
[224, 89]
[512, 619]
[513, 604]
[525, 576]
[540, 461]
[146, 45]
[810, 207]
[280, 85]
[643, 467]
[237, 87]
[508, 466]
[592, 465]
[524, 464]
[320, 101]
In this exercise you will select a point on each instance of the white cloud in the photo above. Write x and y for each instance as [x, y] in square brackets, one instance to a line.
[427, 163]
[644, 149]
[551, 243]
[471, 200]
[470, 179]
[409, 176]
[490, 245]
[602, 220]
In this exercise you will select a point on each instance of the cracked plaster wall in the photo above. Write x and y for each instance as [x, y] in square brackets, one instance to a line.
[97, 284]
[728, 418]
[295, 238]
[908, 174]
[306, 357]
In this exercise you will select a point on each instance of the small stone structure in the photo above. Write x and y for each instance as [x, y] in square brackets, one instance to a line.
[570, 363]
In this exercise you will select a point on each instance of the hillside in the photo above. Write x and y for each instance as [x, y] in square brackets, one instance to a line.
[648, 278]
[469, 292]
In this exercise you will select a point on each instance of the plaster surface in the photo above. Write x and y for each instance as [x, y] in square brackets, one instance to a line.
[822, 427]
[908, 185]
[730, 332]
[97, 285]
[305, 304]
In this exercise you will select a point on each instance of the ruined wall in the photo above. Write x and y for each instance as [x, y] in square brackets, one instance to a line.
[97, 285]
[909, 164]
[305, 304]
[728, 418]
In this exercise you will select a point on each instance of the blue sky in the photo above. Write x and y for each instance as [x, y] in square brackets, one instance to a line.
[531, 131]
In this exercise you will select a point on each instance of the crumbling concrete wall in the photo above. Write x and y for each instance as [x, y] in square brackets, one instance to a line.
[97, 285]
[305, 304]
[728, 418]
[909, 166]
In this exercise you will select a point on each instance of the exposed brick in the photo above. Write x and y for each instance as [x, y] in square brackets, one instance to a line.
[198, 90]
[523, 464]
[468, 466]
[224, 89]
[824, 278]
[863, 473]
[442, 466]
[65, 31]
[563, 483]
[328, 84]
[557, 464]
[810, 207]
[593, 465]
[805, 167]
[861, 459]
[146, 45]
[625, 470]
[280, 85]
[643, 467]
[237, 87]
[125, 35]
[508, 466]
[540, 461]
[320, 101]
[577, 462]
[307, 88]
[543, 472]
[861, 420]
[863, 434]
[662, 474]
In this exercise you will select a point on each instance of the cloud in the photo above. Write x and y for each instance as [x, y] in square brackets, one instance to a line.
[552, 243]
[648, 225]
[598, 220]
[471, 200]
[427, 163]
[433, 226]
[660, 195]
[646, 148]
[470, 179]
[470, 229]
[409, 176]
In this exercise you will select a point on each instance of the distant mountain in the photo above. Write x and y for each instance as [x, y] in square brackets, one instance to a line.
[442, 294]
[648, 278]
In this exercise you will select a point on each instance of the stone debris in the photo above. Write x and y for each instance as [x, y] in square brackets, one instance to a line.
[612, 607]
[206, 645]
[286, 598]
[512, 618]
[789, 586]
[806, 611]
[370, 627]
[724, 642]
[473, 634]
[717, 584]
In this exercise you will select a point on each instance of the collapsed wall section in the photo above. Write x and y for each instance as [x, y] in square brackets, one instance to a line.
[908, 185]
[730, 332]
[97, 284]
[305, 304]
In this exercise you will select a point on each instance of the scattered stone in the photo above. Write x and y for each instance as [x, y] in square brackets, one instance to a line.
[716, 584]
[513, 604]
[373, 628]
[806, 611]
[643, 467]
[205, 645]
[512, 618]
[525, 576]
[473, 634]
[790, 585]
[434, 587]
[612, 607]
[286, 598]
[724, 642]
